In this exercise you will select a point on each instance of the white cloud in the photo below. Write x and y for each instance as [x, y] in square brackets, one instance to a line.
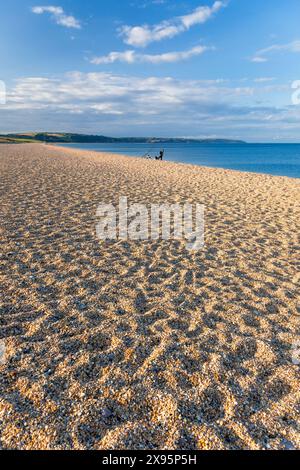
[126, 56]
[58, 15]
[141, 36]
[259, 59]
[201, 14]
[264, 79]
[260, 55]
[131, 57]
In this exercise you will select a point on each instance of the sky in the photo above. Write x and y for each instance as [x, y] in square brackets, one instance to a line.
[195, 68]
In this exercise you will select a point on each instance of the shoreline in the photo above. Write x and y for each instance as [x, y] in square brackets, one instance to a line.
[170, 161]
[66, 146]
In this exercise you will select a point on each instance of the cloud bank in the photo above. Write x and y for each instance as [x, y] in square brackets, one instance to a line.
[125, 105]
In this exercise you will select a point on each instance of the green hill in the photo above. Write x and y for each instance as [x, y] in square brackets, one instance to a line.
[58, 137]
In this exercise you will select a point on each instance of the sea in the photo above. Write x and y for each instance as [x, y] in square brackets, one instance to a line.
[272, 159]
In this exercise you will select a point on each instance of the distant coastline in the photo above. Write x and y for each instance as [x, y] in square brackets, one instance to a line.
[100, 139]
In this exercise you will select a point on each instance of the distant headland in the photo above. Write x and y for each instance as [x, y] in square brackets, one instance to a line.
[58, 137]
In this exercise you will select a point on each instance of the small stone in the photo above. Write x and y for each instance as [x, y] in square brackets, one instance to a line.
[106, 413]
[82, 306]
[287, 445]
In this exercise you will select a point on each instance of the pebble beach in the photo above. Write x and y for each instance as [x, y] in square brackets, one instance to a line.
[143, 344]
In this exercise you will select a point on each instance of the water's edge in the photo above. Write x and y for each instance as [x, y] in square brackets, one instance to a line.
[272, 159]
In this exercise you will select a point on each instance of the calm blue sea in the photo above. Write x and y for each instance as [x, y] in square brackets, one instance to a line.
[273, 159]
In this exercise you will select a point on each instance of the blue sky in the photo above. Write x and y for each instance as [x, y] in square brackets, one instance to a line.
[152, 67]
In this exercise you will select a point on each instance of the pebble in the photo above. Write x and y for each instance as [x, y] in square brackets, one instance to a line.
[106, 413]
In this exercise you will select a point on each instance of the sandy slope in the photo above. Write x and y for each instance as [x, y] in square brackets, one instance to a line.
[144, 344]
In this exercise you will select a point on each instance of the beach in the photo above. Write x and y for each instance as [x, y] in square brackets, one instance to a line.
[144, 344]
